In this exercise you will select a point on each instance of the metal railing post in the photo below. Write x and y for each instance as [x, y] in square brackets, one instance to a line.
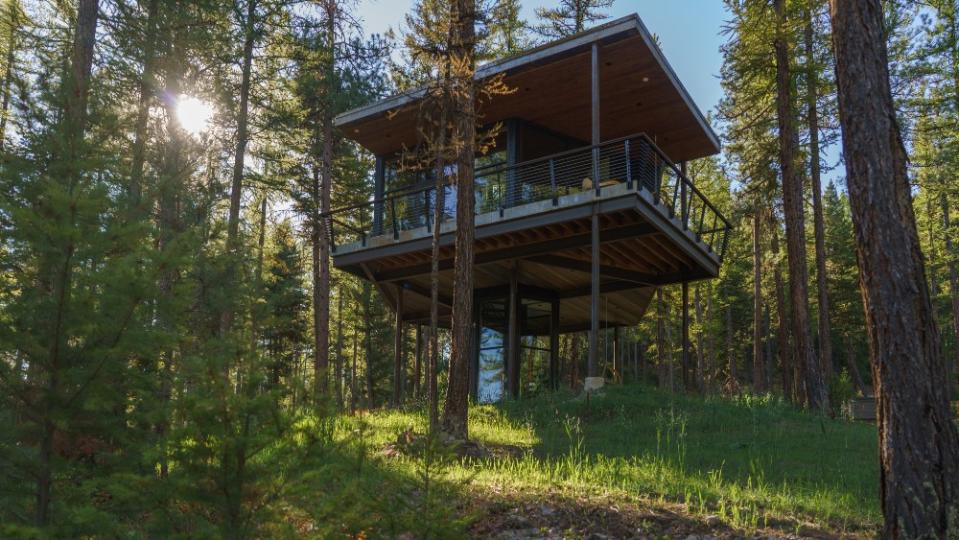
[552, 182]
[629, 167]
[426, 210]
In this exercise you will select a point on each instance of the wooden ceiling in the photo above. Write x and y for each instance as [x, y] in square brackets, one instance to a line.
[632, 264]
[638, 93]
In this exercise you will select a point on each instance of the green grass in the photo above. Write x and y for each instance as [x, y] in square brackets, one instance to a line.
[752, 461]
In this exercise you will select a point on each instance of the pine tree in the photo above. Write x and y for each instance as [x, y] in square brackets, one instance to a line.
[570, 17]
[919, 445]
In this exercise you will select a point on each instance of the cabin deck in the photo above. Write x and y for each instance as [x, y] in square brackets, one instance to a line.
[655, 229]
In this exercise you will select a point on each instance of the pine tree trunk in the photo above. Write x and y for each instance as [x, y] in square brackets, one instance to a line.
[730, 354]
[814, 395]
[759, 379]
[439, 210]
[786, 363]
[918, 443]
[321, 306]
[463, 53]
[953, 289]
[338, 368]
[853, 364]
[700, 342]
[662, 359]
[812, 108]
[14, 23]
[368, 331]
[417, 360]
[75, 92]
[143, 106]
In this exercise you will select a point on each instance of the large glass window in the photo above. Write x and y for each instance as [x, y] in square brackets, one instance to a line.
[491, 372]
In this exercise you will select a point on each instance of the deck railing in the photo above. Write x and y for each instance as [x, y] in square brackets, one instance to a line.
[635, 161]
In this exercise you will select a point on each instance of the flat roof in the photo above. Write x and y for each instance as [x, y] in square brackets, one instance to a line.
[639, 92]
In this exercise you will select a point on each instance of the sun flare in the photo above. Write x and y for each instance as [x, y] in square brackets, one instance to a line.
[193, 114]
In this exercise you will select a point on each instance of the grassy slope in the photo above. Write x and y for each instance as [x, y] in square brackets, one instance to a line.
[752, 462]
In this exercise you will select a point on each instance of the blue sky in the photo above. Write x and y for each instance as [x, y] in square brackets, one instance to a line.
[688, 30]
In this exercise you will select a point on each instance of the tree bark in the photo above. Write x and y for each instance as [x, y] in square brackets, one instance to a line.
[759, 378]
[814, 395]
[14, 22]
[463, 56]
[918, 443]
[143, 106]
[819, 227]
[786, 362]
[338, 368]
[662, 358]
[398, 371]
[417, 360]
[75, 91]
[953, 288]
[321, 308]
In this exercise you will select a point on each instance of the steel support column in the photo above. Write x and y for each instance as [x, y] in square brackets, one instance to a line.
[592, 365]
[595, 127]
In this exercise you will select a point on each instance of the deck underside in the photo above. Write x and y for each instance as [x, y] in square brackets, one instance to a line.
[548, 246]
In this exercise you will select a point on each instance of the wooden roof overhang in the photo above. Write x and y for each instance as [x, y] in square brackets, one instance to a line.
[639, 92]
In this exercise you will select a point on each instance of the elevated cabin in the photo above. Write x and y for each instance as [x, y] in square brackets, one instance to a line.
[583, 207]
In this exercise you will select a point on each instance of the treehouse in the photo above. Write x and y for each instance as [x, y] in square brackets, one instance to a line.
[583, 207]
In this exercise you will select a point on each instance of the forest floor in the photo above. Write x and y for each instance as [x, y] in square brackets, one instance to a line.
[633, 462]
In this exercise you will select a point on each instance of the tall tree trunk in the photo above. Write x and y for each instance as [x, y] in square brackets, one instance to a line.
[321, 293]
[700, 342]
[918, 443]
[258, 281]
[730, 354]
[143, 106]
[463, 56]
[242, 137]
[75, 91]
[439, 210]
[814, 395]
[353, 375]
[14, 21]
[853, 364]
[368, 331]
[786, 356]
[321, 306]
[417, 360]
[759, 379]
[953, 287]
[819, 227]
[662, 359]
[338, 368]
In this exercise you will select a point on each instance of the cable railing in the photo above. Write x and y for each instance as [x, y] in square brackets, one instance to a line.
[633, 161]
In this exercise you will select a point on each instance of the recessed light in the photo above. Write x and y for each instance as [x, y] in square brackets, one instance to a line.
[645, 79]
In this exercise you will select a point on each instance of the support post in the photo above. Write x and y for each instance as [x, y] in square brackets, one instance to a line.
[379, 188]
[554, 345]
[513, 338]
[594, 95]
[684, 196]
[398, 350]
[512, 158]
[686, 381]
[593, 380]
